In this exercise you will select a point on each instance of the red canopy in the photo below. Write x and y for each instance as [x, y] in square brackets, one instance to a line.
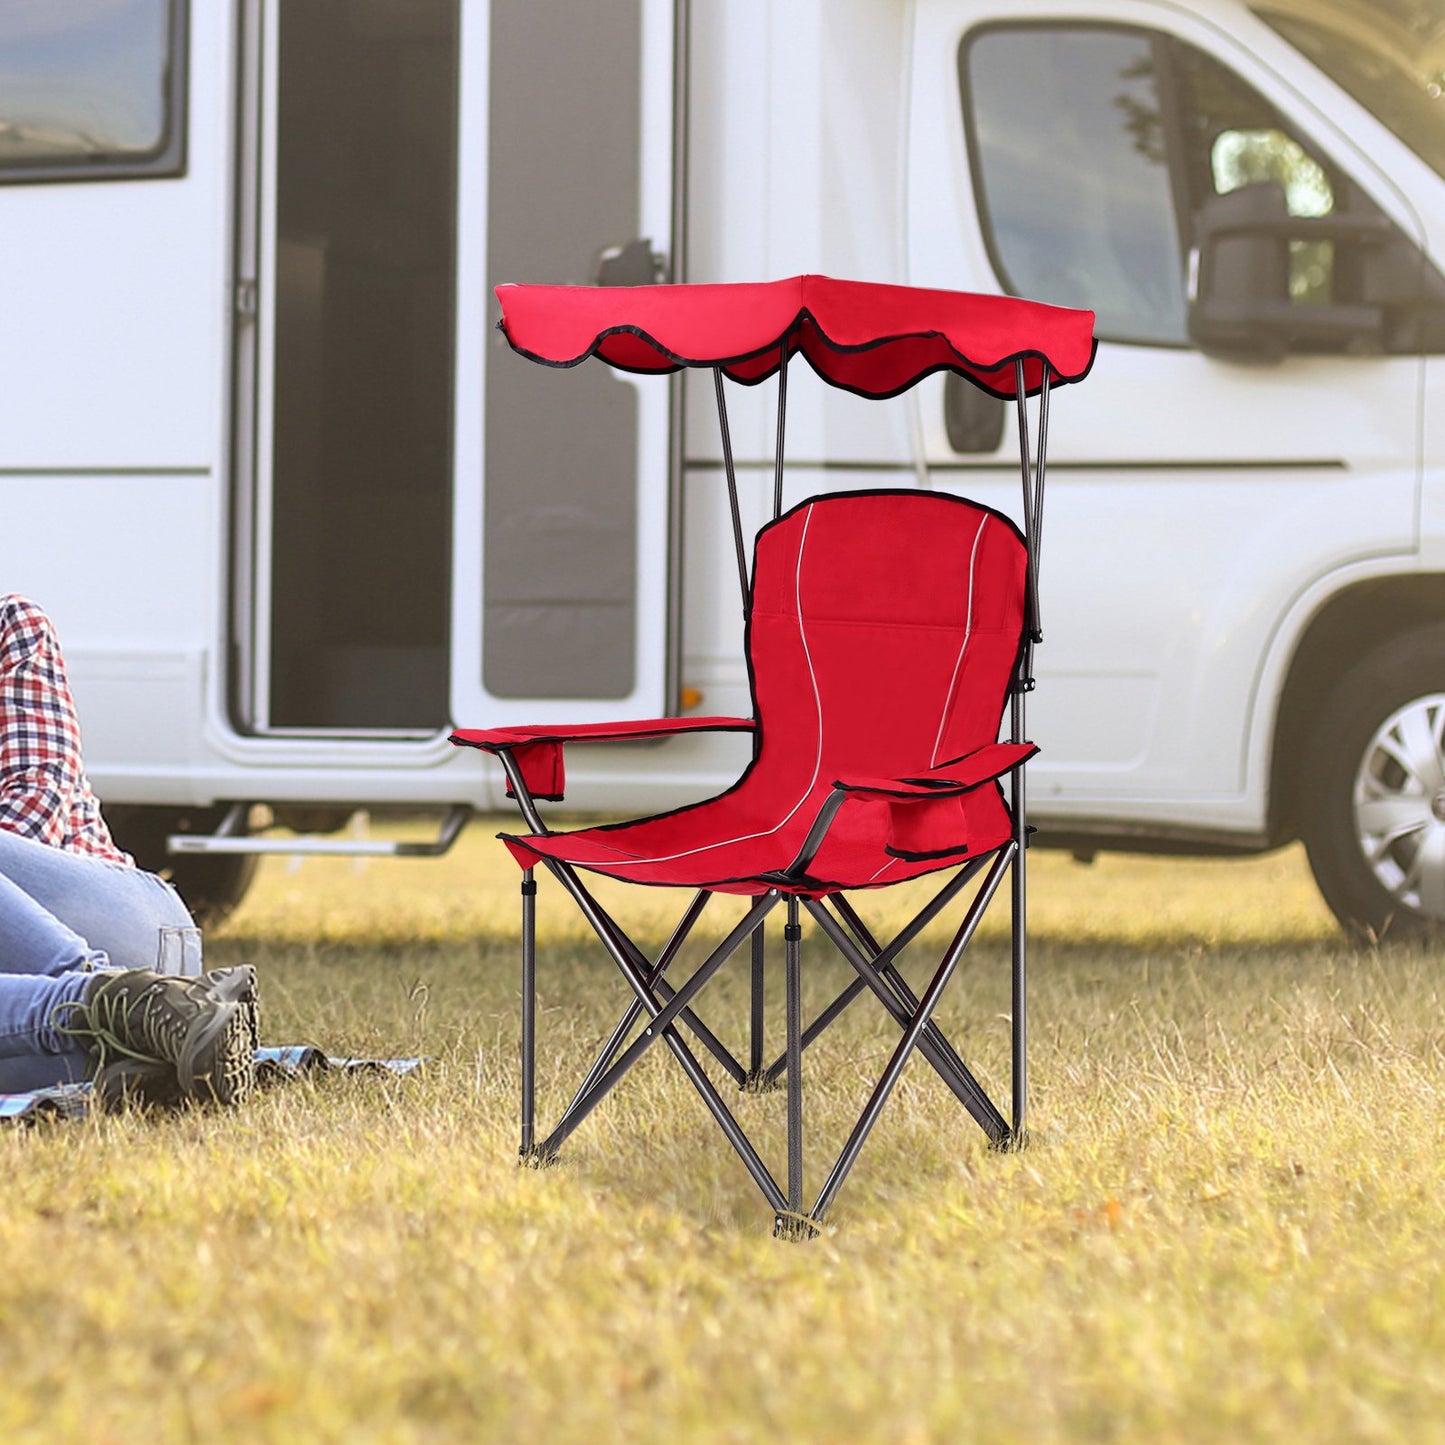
[868, 338]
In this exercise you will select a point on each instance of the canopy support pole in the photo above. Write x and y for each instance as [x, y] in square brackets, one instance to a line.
[1026, 469]
[1033, 499]
[1038, 541]
[727, 446]
[1033, 488]
[782, 425]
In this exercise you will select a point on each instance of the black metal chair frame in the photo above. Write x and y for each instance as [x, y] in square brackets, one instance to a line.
[660, 1011]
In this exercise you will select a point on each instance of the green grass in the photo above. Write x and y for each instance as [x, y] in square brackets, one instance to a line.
[1228, 1226]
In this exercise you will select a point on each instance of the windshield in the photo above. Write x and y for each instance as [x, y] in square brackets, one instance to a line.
[1388, 54]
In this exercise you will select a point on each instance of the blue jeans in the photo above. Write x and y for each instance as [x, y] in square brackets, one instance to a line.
[62, 916]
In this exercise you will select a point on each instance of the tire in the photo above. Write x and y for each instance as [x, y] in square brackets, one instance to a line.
[211, 885]
[1373, 791]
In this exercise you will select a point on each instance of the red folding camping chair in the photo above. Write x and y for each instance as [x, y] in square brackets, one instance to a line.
[887, 634]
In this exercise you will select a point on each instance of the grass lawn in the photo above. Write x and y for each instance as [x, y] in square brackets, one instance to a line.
[1228, 1227]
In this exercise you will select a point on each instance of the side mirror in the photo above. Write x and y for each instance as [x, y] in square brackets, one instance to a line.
[1240, 306]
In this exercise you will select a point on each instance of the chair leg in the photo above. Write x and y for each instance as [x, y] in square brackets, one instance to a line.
[965, 1087]
[1018, 1132]
[665, 1013]
[529, 1017]
[888, 968]
[881, 957]
[757, 1081]
[794, 1224]
[661, 1025]
[608, 1052]
[615, 939]
[912, 1038]
[707, 1038]
[793, 963]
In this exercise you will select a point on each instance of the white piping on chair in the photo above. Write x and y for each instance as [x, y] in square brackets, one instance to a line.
[883, 870]
[817, 758]
[963, 646]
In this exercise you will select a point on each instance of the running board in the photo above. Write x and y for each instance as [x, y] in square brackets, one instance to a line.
[228, 839]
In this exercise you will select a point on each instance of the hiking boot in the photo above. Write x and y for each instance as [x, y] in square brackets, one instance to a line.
[153, 1084]
[138, 1083]
[249, 999]
[202, 1027]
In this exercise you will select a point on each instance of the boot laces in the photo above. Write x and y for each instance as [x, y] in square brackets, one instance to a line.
[148, 1027]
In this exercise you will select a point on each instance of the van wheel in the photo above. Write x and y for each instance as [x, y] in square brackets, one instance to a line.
[212, 886]
[1373, 791]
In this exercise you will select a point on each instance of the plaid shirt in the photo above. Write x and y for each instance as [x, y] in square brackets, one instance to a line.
[43, 790]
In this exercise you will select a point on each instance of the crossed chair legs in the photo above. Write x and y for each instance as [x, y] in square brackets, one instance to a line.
[667, 1008]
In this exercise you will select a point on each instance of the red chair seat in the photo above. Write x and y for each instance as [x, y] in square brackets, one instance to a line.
[882, 636]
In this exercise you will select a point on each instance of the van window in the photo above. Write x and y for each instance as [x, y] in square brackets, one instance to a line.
[1072, 173]
[1095, 147]
[90, 87]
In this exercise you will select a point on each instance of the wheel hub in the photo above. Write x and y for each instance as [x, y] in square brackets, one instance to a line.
[1399, 805]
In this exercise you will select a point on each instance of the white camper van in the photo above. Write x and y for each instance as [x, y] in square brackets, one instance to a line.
[297, 510]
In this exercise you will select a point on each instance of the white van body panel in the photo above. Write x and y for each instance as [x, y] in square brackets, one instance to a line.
[1202, 513]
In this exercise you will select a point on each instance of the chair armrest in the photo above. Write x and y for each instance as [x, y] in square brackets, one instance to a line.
[961, 775]
[495, 739]
[926, 818]
[537, 750]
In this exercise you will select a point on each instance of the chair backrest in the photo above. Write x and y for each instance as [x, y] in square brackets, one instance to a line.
[883, 634]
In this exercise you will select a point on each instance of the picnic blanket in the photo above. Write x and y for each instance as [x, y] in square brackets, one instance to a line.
[274, 1064]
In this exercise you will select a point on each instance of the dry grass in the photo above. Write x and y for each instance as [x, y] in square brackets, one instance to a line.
[1227, 1228]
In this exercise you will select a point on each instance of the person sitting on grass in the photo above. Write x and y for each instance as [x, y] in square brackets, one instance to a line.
[80, 923]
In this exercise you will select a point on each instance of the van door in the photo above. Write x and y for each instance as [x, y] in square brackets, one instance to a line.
[438, 531]
[345, 338]
[565, 479]
[1194, 494]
